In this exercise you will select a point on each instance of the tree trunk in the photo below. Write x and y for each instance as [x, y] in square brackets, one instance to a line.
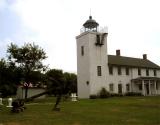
[58, 100]
[27, 81]
[57, 105]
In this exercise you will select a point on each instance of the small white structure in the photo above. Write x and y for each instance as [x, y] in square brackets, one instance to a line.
[1, 101]
[31, 92]
[73, 97]
[9, 102]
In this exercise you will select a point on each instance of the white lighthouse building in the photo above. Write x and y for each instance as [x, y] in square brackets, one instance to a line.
[116, 73]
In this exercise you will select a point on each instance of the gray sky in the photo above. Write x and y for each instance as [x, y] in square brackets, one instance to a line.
[133, 27]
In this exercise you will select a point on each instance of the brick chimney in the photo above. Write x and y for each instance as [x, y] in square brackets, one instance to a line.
[118, 52]
[145, 56]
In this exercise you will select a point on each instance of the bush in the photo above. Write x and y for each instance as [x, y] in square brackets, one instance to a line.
[18, 105]
[115, 95]
[104, 93]
[133, 94]
[93, 96]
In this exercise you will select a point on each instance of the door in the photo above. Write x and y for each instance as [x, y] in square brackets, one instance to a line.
[120, 88]
[147, 88]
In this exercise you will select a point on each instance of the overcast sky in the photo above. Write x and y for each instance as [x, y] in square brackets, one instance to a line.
[133, 27]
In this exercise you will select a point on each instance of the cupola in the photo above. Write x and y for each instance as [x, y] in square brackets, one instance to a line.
[91, 25]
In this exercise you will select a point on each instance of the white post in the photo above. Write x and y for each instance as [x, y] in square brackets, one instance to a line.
[9, 102]
[143, 91]
[149, 87]
[73, 97]
[155, 87]
[130, 87]
[1, 101]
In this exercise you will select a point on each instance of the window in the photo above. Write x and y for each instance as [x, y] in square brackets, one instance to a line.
[99, 71]
[147, 72]
[87, 82]
[127, 71]
[111, 70]
[111, 87]
[82, 50]
[155, 72]
[119, 70]
[139, 71]
[127, 87]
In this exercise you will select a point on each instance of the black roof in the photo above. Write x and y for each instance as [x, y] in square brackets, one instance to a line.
[131, 62]
[90, 23]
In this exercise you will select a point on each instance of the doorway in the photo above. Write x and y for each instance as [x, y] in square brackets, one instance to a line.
[120, 88]
[147, 89]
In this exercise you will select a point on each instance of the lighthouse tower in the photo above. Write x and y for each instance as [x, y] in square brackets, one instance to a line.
[92, 59]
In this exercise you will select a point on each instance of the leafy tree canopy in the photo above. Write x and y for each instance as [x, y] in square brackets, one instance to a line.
[66, 82]
[28, 57]
[9, 78]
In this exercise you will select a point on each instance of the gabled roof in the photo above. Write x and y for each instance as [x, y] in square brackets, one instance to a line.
[131, 62]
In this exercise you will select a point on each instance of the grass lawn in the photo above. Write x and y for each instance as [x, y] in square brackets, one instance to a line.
[111, 111]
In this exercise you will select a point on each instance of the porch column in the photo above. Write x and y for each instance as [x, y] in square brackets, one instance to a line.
[155, 87]
[143, 91]
[130, 87]
[149, 87]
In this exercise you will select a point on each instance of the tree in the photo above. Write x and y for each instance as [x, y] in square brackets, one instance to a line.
[67, 81]
[60, 83]
[9, 78]
[29, 58]
[70, 82]
[56, 85]
[55, 81]
[37, 78]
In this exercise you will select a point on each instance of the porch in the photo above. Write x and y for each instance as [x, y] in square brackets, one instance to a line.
[146, 85]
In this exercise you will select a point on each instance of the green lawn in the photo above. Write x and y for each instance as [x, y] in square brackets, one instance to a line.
[111, 111]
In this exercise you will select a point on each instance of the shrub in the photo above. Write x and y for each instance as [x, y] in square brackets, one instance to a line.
[93, 96]
[18, 105]
[133, 94]
[115, 94]
[104, 93]
[120, 94]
